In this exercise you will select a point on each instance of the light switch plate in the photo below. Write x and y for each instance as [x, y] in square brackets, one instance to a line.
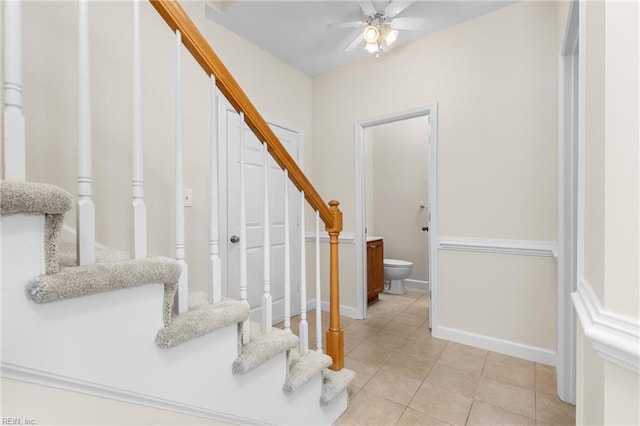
[188, 197]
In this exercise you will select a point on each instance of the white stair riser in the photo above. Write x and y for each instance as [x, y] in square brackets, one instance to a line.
[104, 344]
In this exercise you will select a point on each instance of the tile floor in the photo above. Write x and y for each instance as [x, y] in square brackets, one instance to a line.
[407, 377]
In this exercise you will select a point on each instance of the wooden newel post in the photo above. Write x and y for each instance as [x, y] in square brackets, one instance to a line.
[335, 335]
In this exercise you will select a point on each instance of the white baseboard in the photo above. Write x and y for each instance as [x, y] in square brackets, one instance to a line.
[417, 284]
[519, 350]
[347, 311]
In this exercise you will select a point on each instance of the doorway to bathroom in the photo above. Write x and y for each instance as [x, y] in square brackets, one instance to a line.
[396, 198]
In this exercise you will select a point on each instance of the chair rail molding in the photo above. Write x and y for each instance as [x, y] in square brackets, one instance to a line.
[615, 337]
[503, 246]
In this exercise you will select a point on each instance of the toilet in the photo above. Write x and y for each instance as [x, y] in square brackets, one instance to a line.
[395, 272]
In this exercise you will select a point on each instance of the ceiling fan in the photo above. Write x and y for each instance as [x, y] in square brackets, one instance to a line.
[379, 30]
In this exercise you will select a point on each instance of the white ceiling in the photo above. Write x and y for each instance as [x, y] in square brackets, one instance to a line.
[297, 33]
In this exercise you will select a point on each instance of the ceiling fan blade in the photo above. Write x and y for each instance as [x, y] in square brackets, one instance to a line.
[355, 24]
[411, 24]
[397, 6]
[354, 39]
[368, 8]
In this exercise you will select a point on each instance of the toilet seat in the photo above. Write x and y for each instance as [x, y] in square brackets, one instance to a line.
[394, 263]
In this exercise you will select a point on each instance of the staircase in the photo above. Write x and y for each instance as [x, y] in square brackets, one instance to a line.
[79, 316]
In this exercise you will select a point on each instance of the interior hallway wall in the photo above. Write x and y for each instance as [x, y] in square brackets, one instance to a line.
[495, 81]
[608, 393]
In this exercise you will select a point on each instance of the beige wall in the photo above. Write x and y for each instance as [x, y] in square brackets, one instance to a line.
[508, 297]
[589, 382]
[19, 400]
[494, 79]
[50, 108]
[608, 393]
[399, 179]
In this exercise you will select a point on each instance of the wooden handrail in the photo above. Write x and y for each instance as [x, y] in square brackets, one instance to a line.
[175, 16]
[177, 19]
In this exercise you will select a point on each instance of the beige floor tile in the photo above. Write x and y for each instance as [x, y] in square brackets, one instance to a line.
[351, 344]
[485, 414]
[400, 299]
[464, 357]
[358, 330]
[510, 370]
[417, 310]
[427, 348]
[395, 327]
[546, 382]
[512, 398]
[377, 323]
[408, 366]
[342, 422]
[543, 367]
[412, 417]
[344, 321]
[550, 409]
[423, 302]
[372, 355]
[364, 372]
[415, 292]
[353, 390]
[369, 409]
[387, 340]
[455, 380]
[410, 319]
[389, 385]
[423, 332]
[440, 403]
[385, 308]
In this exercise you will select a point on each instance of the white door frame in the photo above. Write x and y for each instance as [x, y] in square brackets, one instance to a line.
[223, 107]
[361, 270]
[568, 222]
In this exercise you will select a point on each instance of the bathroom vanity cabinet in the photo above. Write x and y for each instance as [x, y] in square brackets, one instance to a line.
[375, 269]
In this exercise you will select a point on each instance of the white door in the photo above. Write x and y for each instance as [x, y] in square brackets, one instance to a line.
[254, 184]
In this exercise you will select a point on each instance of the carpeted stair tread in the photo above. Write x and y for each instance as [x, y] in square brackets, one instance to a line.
[39, 198]
[200, 320]
[92, 279]
[334, 383]
[30, 197]
[67, 254]
[261, 348]
[303, 368]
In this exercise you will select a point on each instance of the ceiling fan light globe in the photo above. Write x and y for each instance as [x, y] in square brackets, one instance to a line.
[371, 34]
[390, 36]
[371, 47]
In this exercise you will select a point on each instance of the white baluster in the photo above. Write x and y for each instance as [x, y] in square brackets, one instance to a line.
[14, 126]
[215, 274]
[243, 234]
[304, 326]
[85, 217]
[318, 287]
[183, 282]
[287, 257]
[139, 208]
[266, 296]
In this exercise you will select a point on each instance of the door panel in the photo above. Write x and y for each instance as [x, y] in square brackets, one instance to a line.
[254, 186]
